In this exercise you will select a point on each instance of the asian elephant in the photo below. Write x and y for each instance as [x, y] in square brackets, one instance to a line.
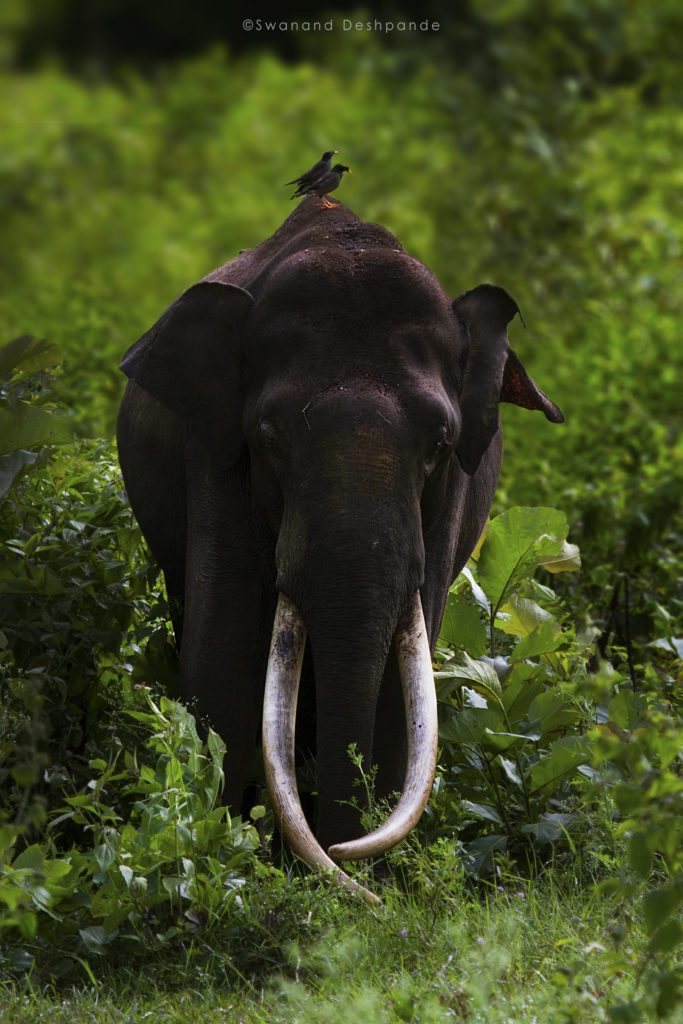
[310, 442]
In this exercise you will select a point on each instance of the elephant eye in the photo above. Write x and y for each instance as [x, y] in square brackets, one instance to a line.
[440, 442]
[268, 435]
[441, 439]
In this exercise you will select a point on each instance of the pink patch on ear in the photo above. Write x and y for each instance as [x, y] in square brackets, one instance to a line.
[519, 389]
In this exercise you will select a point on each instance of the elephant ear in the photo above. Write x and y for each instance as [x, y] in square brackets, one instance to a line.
[189, 361]
[493, 373]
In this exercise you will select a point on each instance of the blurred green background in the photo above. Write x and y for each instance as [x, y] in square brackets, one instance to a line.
[536, 145]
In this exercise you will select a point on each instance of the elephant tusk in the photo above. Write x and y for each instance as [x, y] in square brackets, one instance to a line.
[419, 695]
[279, 718]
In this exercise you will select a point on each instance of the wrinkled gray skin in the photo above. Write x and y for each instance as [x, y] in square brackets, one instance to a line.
[316, 417]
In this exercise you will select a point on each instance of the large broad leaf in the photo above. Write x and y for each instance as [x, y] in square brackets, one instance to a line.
[658, 906]
[547, 712]
[12, 466]
[546, 637]
[479, 853]
[549, 827]
[519, 616]
[29, 426]
[512, 772]
[464, 669]
[626, 709]
[515, 544]
[521, 689]
[477, 593]
[462, 626]
[470, 726]
[567, 559]
[28, 354]
[563, 759]
[485, 811]
[500, 741]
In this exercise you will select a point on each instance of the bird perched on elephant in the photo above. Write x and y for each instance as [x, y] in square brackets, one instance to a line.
[321, 186]
[316, 171]
[310, 440]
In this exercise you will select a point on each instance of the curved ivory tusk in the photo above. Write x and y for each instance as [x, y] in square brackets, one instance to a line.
[279, 718]
[419, 695]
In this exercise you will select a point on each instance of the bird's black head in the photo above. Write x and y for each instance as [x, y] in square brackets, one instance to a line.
[329, 154]
[341, 168]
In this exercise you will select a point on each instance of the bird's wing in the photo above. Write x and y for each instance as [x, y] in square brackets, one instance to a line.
[310, 176]
[325, 183]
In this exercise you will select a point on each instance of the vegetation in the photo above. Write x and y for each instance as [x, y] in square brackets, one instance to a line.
[546, 878]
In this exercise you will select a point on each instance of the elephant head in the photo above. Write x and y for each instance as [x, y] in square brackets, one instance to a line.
[354, 408]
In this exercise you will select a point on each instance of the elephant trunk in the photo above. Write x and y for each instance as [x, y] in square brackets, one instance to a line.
[284, 667]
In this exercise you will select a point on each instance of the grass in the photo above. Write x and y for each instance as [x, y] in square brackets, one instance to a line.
[519, 951]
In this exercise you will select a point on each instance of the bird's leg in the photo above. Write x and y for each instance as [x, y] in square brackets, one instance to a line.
[327, 204]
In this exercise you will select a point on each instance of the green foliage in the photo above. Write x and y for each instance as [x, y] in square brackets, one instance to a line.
[158, 856]
[512, 728]
[640, 742]
[27, 421]
[74, 582]
[534, 741]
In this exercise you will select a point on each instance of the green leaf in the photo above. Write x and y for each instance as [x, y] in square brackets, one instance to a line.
[519, 616]
[21, 960]
[626, 709]
[28, 354]
[463, 627]
[565, 756]
[484, 811]
[625, 1013]
[32, 857]
[472, 699]
[499, 739]
[516, 542]
[659, 905]
[29, 426]
[470, 725]
[127, 873]
[520, 690]
[476, 591]
[546, 637]
[549, 827]
[669, 985]
[547, 712]
[640, 854]
[95, 939]
[567, 559]
[510, 769]
[479, 853]
[12, 466]
[105, 856]
[666, 938]
[481, 674]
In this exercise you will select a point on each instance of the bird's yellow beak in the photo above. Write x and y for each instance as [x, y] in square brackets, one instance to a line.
[349, 170]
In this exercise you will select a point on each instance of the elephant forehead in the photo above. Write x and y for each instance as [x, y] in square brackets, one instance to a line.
[389, 283]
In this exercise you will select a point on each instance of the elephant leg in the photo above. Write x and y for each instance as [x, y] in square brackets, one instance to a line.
[227, 615]
[223, 666]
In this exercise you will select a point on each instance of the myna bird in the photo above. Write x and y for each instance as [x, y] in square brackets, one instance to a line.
[327, 182]
[322, 167]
